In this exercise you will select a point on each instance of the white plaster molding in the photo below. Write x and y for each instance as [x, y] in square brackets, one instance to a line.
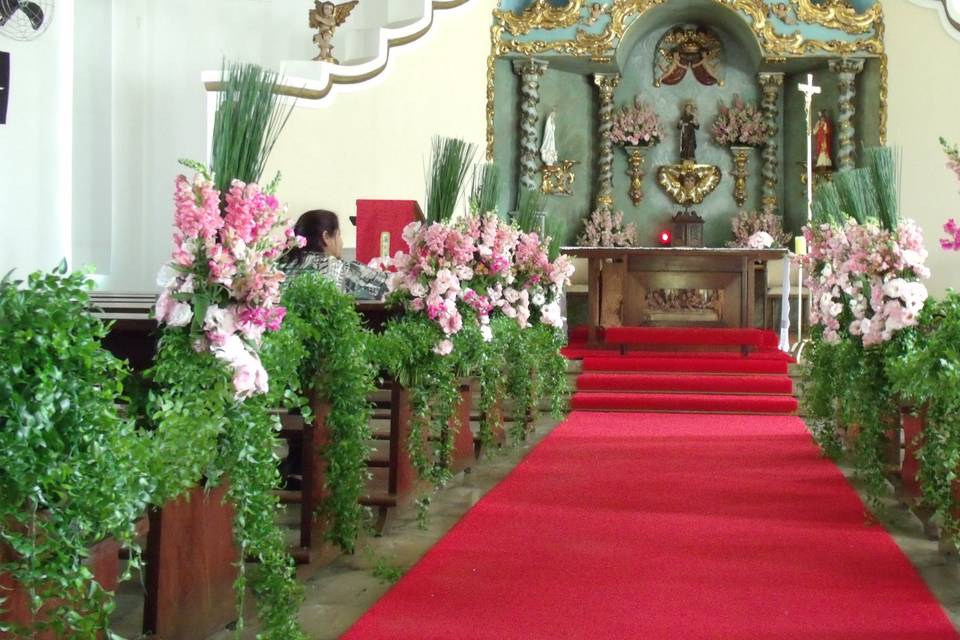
[949, 12]
[315, 83]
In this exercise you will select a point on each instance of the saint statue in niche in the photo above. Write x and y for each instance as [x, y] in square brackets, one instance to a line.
[822, 132]
[689, 48]
[548, 150]
[688, 125]
[325, 17]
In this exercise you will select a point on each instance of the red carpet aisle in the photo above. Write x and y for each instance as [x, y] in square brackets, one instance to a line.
[661, 527]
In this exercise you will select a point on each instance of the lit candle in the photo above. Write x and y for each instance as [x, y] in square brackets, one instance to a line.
[800, 246]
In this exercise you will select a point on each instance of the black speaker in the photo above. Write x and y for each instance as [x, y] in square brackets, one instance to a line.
[4, 85]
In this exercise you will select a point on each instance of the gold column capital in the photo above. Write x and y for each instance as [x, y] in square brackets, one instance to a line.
[846, 65]
[528, 66]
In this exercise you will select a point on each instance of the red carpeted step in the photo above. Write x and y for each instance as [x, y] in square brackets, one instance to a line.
[684, 382]
[684, 336]
[692, 365]
[578, 353]
[612, 401]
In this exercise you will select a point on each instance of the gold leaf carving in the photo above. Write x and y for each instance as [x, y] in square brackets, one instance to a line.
[838, 14]
[540, 15]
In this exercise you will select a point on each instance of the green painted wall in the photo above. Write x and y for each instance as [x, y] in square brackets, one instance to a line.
[654, 212]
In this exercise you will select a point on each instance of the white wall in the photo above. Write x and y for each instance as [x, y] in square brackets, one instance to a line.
[374, 143]
[924, 105]
[35, 149]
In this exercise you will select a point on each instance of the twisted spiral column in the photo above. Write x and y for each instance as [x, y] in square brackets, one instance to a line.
[606, 83]
[771, 85]
[529, 71]
[846, 71]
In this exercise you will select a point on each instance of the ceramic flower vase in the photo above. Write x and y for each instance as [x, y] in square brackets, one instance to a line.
[635, 158]
[741, 158]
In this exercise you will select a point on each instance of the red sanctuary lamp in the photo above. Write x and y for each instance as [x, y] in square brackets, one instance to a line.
[665, 238]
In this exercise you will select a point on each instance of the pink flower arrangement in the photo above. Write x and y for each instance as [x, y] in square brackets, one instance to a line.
[636, 125]
[953, 231]
[471, 270]
[741, 123]
[432, 276]
[867, 277]
[604, 228]
[223, 280]
[748, 224]
[539, 282]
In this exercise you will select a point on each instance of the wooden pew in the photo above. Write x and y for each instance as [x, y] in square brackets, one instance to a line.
[190, 558]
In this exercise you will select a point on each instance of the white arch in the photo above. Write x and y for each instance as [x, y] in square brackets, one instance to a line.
[949, 11]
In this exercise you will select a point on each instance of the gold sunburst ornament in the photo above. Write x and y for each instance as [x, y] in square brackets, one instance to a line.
[687, 182]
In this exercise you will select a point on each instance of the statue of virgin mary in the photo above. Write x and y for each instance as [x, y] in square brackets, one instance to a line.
[548, 150]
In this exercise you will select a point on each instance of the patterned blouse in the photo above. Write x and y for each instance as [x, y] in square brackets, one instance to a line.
[352, 278]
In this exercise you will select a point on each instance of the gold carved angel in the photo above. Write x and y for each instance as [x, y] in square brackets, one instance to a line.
[325, 17]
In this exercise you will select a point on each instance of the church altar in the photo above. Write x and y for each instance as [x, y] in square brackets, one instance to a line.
[561, 71]
[675, 286]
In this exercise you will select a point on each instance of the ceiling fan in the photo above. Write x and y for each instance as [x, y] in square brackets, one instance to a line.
[25, 19]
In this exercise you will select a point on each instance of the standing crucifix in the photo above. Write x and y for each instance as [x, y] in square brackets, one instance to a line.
[809, 90]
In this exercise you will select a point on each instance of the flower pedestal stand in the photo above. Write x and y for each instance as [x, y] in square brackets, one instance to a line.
[635, 158]
[190, 567]
[741, 158]
[498, 430]
[463, 447]
[909, 486]
[104, 561]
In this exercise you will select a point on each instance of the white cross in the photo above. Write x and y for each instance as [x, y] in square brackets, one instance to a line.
[809, 90]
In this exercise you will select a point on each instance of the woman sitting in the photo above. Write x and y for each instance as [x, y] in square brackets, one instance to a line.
[322, 254]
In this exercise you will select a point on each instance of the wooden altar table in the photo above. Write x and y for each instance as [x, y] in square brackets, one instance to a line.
[672, 286]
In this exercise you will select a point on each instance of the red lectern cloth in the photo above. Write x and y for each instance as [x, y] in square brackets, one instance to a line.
[375, 218]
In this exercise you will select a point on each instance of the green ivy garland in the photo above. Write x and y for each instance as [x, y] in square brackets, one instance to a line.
[71, 467]
[927, 373]
[537, 370]
[338, 368]
[202, 431]
[405, 352]
[848, 388]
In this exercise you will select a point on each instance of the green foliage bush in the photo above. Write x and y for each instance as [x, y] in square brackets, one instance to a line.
[848, 388]
[72, 467]
[926, 373]
[337, 365]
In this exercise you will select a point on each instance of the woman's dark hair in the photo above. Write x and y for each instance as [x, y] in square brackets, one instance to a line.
[312, 225]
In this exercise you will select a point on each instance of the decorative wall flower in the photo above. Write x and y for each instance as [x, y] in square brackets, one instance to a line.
[636, 125]
[742, 123]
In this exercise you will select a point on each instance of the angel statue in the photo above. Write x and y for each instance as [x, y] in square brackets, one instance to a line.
[548, 150]
[325, 17]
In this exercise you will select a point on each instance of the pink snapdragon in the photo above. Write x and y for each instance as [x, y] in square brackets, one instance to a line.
[230, 261]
